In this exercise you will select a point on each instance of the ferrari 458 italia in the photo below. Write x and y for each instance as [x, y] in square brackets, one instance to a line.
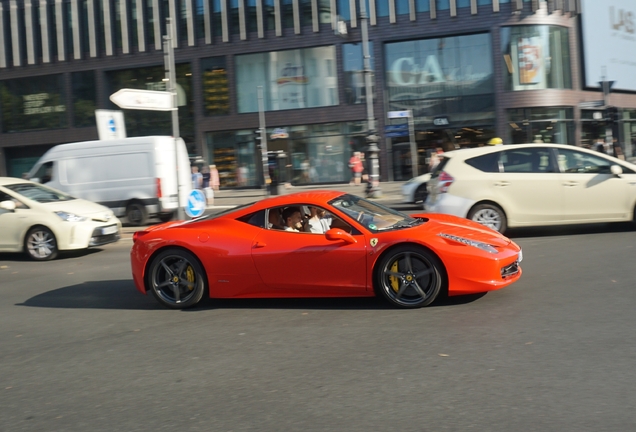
[321, 244]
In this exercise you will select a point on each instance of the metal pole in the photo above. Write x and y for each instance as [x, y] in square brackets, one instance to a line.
[373, 187]
[171, 81]
[263, 136]
[414, 158]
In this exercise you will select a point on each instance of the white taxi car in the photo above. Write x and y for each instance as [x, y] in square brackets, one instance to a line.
[414, 190]
[41, 221]
[532, 185]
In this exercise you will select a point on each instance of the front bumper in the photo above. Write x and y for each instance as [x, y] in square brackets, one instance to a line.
[82, 235]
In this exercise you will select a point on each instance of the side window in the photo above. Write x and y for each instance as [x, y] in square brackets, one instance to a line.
[6, 197]
[486, 163]
[572, 161]
[527, 160]
[44, 174]
[257, 219]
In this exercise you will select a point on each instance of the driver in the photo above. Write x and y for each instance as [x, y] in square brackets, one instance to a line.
[293, 219]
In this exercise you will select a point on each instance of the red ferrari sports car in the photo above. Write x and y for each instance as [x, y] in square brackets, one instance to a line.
[321, 244]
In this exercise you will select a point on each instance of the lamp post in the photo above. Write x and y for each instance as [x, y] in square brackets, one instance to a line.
[373, 186]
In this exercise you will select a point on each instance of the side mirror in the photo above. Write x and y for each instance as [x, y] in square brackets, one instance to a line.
[335, 234]
[616, 170]
[7, 205]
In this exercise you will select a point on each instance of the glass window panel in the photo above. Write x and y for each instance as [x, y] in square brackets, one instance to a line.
[344, 10]
[353, 69]
[288, 13]
[488, 2]
[442, 4]
[381, 8]
[216, 93]
[442, 76]
[33, 104]
[324, 10]
[234, 16]
[251, 18]
[463, 3]
[422, 5]
[269, 14]
[291, 79]
[305, 13]
[402, 7]
[84, 98]
[536, 57]
[217, 28]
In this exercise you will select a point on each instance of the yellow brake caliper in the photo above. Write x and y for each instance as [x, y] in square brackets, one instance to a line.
[394, 280]
[190, 277]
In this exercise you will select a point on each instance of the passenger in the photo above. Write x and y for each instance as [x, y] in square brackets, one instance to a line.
[275, 220]
[293, 219]
[318, 223]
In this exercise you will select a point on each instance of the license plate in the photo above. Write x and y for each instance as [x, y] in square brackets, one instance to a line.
[109, 230]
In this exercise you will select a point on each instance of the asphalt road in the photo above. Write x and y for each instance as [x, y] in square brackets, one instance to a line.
[82, 350]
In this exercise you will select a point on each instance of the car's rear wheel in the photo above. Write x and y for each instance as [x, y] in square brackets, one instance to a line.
[409, 277]
[176, 279]
[489, 215]
[136, 213]
[420, 193]
[40, 244]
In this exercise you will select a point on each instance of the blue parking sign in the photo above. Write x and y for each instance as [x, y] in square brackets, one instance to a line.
[196, 204]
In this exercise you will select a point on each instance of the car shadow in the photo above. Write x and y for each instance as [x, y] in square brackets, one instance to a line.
[122, 295]
[562, 230]
[62, 255]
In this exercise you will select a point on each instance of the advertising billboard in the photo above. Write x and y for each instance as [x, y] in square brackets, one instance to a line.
[609, 42]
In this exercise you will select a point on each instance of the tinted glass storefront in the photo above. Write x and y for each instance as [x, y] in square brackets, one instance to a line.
[29, 104]
[447, 83]
[536, 57]
[292, 79]
[297, 154]
[548, 125]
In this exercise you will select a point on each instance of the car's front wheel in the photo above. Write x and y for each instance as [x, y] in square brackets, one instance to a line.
[489, 215]
[176, 279]
[40, 244]
[409, 277]
[420, 193]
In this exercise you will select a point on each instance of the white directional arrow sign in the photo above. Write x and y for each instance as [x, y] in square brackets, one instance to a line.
[142, 99]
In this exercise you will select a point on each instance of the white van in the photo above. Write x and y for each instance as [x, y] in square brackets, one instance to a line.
[135, 177]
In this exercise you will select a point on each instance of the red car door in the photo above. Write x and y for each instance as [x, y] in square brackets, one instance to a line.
[298, 264]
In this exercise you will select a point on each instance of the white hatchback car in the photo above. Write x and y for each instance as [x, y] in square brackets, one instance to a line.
[532, 185]
[41, 221]
[414, 190]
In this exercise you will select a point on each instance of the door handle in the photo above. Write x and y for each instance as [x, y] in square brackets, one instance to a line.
[502, 183]
[570, 183]
[259, 245]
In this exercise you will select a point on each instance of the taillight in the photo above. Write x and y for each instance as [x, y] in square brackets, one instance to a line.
[444, 181]
[158, 188]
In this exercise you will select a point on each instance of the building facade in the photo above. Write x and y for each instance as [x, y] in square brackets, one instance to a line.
[466, 71]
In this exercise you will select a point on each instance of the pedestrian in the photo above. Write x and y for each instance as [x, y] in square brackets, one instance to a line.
[600, 145]
[243, 173]
[355, 163]
[214, 178]
[197, 178]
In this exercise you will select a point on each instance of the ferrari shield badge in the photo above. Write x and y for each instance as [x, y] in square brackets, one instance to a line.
[374, 241]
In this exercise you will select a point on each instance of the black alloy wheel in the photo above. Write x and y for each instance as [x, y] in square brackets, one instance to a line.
[409, 277]
[176, 279]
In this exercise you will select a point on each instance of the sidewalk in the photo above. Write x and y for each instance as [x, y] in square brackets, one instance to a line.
[391, 191]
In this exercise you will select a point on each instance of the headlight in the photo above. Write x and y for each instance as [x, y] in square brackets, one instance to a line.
[70, 217]
[479, 245]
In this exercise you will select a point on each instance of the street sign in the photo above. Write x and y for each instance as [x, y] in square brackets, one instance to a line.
[397, 134]
[110, 124]
[196, 204]
[142, 99]
[396, 128]
[591, 104]
[398, 114]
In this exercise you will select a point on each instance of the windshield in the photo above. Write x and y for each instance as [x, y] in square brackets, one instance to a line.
[373, 216]
[39, 193]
